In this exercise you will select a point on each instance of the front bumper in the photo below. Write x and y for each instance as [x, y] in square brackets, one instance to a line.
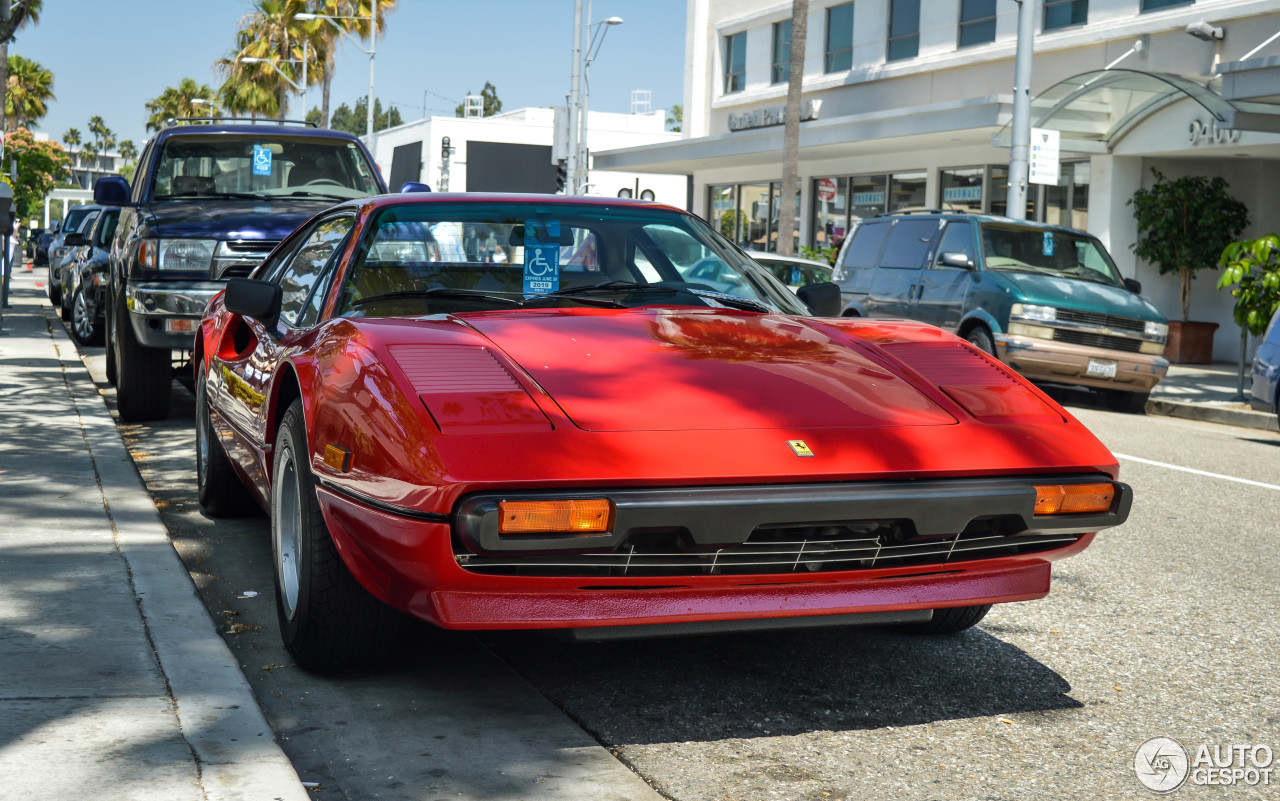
[417, 565]
[1063, 363]
[167, 314]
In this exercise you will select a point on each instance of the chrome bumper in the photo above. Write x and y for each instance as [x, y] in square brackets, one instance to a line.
[166, 315]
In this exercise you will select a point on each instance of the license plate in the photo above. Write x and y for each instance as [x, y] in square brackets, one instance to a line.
[188, 326]
[1100, 368]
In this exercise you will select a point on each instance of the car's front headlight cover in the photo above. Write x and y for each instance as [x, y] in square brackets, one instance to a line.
[1029, 311]
[187, 255]
[1156, 330]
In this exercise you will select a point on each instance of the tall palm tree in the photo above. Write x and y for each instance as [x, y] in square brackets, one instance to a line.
[791, 131]
[20, 14]
[29, 89]
[128, 150]
[176, 102]
[273, 33]
[350, 10]
[71, 139]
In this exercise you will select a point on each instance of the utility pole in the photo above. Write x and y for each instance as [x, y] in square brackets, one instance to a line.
[1016, 199]
[575, 100]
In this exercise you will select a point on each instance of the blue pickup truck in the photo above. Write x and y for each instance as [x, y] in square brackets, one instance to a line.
[208, 201]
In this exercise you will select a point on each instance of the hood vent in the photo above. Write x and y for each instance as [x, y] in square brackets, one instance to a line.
[467, 390]
[983, 387]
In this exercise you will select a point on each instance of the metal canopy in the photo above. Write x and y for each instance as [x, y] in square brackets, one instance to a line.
[1093, 111]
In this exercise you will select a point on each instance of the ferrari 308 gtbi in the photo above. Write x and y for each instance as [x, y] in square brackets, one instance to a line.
[525, 412]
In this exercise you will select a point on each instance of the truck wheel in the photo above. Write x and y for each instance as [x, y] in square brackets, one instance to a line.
[144, 376]
[110, 339]
[84, 320]
[219, 489]
[327, 620]
[1130, 402]
[949, 621]
[980, 338]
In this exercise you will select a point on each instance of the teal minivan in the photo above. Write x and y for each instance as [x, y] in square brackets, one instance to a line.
[1047, 301]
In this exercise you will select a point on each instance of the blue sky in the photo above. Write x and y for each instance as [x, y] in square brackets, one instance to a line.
[110, 58]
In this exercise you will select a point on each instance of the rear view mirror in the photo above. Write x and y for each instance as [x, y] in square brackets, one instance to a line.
[249, 297]
[955, 259]
[823, 299]
[111, 190]
[75, 240]
[1133, 285]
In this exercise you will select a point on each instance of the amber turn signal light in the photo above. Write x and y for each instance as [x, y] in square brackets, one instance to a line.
[555, 517]
[1074, 499]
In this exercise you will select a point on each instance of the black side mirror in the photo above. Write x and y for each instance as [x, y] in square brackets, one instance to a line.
[75, 240]
[824, 299]
[249, 297]
[955, 259]
[1133, 285]
[111, 190]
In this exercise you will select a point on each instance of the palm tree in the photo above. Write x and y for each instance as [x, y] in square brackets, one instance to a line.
[128, 150]
[791, 131]
[21, 14]
[348, 9]
[177, 102]
[72, 138]
[30, 87]
[102, 135]
[271, 33]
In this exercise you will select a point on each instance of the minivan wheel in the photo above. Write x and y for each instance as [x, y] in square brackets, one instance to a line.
[1119, 400]
[981, 339]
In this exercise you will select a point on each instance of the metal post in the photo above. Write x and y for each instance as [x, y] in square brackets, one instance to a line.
[373, 51]
[1016, 199]
[7, 276]
[575, 91]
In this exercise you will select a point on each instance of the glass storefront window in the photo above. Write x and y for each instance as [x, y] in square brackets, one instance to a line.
[869, 196]
[830, 211]
[1000, 193]
[723, 211]
[906, 190]
[962, 188]
[753, 211]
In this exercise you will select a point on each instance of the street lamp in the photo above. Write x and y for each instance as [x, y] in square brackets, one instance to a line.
[275, 63]
[372, 50]
[598, 31]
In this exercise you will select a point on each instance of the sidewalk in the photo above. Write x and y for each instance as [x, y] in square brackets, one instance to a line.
[113, 681]
[1206, 392]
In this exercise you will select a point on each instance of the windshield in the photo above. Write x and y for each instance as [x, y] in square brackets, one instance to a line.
[434, 257]
[1047, 252]
[235, 165]
[74, 217]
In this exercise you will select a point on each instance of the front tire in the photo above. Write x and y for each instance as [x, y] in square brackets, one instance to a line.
[981, 339]
[951, 620]
[219, 489]
[54, 289]
[84, 320]
[1129, 402]
[144, 376]
[327, 620]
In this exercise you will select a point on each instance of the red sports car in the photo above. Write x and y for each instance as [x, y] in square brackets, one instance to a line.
[507, 411]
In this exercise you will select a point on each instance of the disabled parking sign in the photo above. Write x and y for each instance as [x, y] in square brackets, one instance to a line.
[261, 160]
[541, 257]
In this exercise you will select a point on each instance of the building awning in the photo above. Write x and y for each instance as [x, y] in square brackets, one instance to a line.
[1093, 111]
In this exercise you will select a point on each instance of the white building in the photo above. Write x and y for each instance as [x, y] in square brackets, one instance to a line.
[512, 152]
[904, 97]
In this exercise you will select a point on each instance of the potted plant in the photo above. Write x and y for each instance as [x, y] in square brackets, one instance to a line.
[1252, 271]
[1183, 227]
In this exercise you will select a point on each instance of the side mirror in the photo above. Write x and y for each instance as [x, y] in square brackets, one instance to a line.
[955, 259]
[111, 190]
[824, 299]
[1133, 285]
[249, 297]
[414, 186]
[75, 239]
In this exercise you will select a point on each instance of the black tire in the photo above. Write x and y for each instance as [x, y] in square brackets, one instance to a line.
[1130, 402]
[951, 620]
[981, 339]
[327, 620]
[54, 289]
[84, 320]
[110, 339]
[144, 376]
[64, 305]
[218, 486]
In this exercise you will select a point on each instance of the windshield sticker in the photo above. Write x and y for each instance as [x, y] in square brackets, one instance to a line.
[261, 160]
[1047, 248]
[541, 257]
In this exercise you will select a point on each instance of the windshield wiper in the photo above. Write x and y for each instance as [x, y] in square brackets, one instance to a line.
[733, 301]
[219, 195]
[607, 287]
[435, 292]
[309, 193]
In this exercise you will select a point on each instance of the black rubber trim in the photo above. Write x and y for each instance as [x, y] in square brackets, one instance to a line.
[382, 506]
[719, 517]
[700, 628]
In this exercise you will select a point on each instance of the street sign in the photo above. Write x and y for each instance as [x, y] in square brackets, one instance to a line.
[826, 190]
[1043, 166]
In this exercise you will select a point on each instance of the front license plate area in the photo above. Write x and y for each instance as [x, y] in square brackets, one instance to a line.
[1101, 368]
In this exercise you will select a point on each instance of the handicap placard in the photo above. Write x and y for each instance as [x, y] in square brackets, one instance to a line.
[1047, 246]
[541, 257]
[261, 160]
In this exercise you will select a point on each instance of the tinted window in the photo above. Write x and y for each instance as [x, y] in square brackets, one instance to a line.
[958, 238]
[304, 271]
[267, 166]
[908, 243]
[864, 248]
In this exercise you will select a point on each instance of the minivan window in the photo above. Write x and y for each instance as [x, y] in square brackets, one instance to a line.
[865, 247]
[908, 243]
[1047, 252]
[958, 238]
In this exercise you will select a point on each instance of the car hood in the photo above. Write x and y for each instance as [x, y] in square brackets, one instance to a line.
[231, 218]
[689, 369]
[1085, 296]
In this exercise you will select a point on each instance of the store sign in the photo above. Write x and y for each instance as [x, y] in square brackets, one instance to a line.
[826, 190]
[868, 198]
[1201, 134]
[773, 115]
[1043, 166]
[960, 194]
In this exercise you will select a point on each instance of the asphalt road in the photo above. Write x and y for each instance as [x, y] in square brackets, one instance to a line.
[1164, 627]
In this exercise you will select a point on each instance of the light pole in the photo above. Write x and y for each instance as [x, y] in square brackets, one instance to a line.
[1016, 198]
[372, 50]
[275, 63]
[598, 32]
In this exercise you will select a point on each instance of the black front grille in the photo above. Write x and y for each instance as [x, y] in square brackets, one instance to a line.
[1102, 320]
[808, 549]
[1105, 341]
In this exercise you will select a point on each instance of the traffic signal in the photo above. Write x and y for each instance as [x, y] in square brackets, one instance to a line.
[562, 174]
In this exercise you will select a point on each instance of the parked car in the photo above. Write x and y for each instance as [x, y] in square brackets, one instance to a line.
[1047, 301]
[513, 411]
[793, 271]
[208, 201]
[41, 257]
[30, 238]
[1266, 370]
[66, 262]
[89, 278]
[57, 250]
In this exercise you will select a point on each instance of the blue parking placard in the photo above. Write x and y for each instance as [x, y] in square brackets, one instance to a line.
[1047, 248]
[261, 160]
[541, 257]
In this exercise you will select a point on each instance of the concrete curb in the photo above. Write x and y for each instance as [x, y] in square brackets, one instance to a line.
[220, 719]
[1211, 413]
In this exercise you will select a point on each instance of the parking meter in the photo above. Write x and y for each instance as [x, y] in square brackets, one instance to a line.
[6, 229]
